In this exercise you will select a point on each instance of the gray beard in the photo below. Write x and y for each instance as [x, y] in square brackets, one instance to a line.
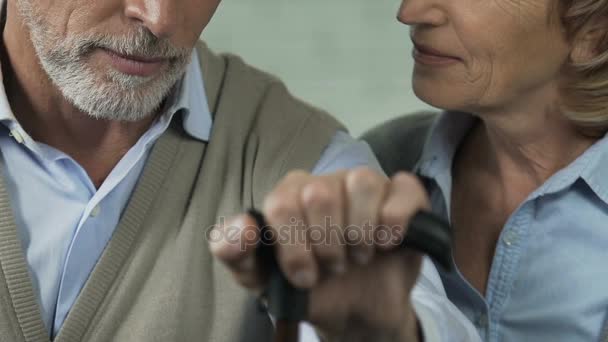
[111, 95]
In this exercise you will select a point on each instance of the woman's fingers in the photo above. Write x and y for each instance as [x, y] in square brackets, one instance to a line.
[365, 192]
[322, 224]
[405, 197]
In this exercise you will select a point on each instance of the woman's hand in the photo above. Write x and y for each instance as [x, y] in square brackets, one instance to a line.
[334, 237]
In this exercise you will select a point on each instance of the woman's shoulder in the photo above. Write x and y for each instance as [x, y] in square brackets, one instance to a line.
[398, 143]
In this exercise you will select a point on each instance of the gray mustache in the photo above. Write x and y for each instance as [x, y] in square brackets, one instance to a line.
[139, 43]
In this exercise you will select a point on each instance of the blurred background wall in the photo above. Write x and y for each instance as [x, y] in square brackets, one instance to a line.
[350, 57]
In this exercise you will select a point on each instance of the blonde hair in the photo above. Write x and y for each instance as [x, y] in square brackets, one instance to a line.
[584, 99]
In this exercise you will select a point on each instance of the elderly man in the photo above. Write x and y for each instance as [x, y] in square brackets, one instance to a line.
[123, 141]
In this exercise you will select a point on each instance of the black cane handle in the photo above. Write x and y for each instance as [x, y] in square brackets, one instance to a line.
[430, 235]
[426, 233]
[284, 301]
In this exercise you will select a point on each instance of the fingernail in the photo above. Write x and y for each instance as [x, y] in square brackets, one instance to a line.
[362, 258]
[304, 279]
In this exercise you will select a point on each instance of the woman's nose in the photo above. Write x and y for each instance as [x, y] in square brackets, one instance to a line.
[161, 17]
[422, 12]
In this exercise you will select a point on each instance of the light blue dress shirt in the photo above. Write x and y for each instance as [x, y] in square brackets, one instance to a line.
[549, 276]
[64, 222]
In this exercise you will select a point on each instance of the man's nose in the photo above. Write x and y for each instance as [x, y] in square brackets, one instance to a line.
[422, 12]
[161, 17]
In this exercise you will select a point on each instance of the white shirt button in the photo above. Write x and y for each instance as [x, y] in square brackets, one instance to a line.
[509, 238]
[482, 320]
[96, 211]
[18, 137]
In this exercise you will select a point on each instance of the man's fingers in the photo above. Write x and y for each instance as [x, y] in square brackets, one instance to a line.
[406, 196]
[323, 202]
[365, 191]
[286, 218]
[235, 243]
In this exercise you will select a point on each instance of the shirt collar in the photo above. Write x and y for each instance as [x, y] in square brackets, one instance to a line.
[597, 167]
[188, 97]
[445, 136]
[450, 128]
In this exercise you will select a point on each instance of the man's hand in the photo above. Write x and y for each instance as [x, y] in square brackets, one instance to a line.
[334, 235]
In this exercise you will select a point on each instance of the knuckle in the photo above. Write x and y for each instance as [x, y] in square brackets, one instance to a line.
[277, 206]
[318, 194]
[393, 214]
[363, 180]
[407, 180]
[409, 184]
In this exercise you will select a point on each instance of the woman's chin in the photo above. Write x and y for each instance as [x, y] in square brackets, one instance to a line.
[438, 99]
[450, 89]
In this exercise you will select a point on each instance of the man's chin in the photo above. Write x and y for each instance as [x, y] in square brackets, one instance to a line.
[115, 104]
[123, 82]
[106, 94]
[134, 116]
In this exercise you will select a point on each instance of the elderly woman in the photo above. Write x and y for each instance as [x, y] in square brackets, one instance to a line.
[517, 164]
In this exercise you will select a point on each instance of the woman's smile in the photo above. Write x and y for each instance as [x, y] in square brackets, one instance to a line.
[428, 56]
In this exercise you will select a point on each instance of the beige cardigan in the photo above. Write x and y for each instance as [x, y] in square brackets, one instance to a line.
[156, 280]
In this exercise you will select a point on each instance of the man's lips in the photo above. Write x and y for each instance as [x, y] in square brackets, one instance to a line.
[135, 65]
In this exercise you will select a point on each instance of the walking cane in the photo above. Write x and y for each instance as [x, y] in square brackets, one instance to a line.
[289, 305]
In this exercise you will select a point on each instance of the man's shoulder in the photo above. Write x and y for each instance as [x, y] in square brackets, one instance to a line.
[229, 79]
[218, 67]
[254, 109]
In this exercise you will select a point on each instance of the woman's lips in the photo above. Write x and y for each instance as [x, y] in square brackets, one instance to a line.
[135, 65]
[429, 56]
